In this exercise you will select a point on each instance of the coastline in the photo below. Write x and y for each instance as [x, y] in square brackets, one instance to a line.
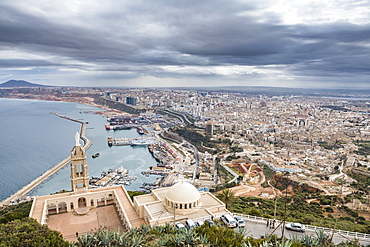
[89, 101]
[135, 159]
[20, 194]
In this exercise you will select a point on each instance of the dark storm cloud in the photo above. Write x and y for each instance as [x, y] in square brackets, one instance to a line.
[141, 38]
[16, 63]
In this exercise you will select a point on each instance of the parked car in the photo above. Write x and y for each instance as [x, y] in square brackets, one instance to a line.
[199, 223]
[180, 225]
[295, 227]
[190, 224]
[239, 221]
[211, 223]
[228, 220]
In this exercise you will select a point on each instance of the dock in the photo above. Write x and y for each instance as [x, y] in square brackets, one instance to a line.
[26, 189]
[138, 141]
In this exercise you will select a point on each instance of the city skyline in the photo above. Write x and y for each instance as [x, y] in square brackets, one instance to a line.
[189, 43]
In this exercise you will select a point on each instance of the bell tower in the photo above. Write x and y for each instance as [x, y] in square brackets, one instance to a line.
[79, 168]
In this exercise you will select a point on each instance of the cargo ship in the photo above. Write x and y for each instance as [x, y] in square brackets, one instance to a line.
[143, 142]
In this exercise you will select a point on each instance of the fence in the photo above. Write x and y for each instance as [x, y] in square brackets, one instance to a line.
[309, 227]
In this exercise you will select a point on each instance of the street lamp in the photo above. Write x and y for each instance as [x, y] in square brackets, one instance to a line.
[276, 196]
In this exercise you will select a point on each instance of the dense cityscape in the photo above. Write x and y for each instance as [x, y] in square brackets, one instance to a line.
[257, 145]
[185, 123]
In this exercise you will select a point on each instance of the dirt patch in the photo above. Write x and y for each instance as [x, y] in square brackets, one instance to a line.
[256, 191]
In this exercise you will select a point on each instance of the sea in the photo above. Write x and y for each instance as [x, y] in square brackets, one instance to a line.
[32, 140]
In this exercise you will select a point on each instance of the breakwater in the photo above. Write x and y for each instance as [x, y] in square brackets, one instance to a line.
[26, 189]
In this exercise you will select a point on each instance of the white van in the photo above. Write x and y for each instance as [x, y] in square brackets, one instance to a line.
[229, 220]
[190, 224]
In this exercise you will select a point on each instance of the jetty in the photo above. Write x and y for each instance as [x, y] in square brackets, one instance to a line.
[26, 189]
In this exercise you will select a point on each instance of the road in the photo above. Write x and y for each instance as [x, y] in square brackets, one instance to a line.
[258, 228]
[230, 171]
[196, 156]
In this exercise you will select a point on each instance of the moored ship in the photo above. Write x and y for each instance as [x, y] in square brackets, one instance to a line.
[142, 142]
[110, 141]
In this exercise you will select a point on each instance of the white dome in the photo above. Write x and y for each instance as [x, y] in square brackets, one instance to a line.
[183, 192]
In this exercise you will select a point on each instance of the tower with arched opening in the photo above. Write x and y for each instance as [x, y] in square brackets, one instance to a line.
[79, 168]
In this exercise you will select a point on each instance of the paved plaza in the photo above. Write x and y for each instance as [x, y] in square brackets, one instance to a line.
[71, 223]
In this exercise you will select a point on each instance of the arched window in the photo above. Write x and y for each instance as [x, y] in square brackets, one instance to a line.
[72, 206]
[92, 202]
[81, 202]
[62, 207]
[52, 208]
[185, 206]
[180, 206]
[189, 205]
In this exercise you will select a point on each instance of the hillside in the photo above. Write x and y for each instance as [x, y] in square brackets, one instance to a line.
[20, 83]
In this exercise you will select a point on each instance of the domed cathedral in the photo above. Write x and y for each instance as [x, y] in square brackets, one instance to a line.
[79, 168]
[184, 198]
[180, 202]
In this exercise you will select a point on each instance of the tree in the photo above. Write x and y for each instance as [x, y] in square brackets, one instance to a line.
[227, 196]
[28, 232]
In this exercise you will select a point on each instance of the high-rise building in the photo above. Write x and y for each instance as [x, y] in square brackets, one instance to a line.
[130, 100]
[209, 129]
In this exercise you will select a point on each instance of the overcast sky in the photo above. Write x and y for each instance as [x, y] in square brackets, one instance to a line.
[141, 43]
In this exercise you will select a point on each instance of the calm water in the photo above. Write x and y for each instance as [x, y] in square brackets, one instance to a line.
[32, 140]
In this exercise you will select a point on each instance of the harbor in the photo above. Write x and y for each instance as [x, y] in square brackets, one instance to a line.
[113, 177]
[133, 156]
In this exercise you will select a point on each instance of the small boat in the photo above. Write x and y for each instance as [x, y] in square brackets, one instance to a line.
[140, 130]
[96, 155]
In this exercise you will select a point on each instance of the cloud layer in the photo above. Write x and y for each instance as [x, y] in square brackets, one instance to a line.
[186, 43]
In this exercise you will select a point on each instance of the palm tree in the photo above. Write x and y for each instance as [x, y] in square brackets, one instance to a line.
[105, 238]
[322, 238]
[309, 240]
[86, 240]
[227, 196]
[203, 240]
[190, 237]
[163, 240]
[123, 239]
[285, 243]
[176, 239]
[137, 240]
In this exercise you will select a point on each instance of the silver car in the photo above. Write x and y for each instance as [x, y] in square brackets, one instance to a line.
[239, 220]
[295, 227]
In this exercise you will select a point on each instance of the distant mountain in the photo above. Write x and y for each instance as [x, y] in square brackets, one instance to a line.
[20, 83]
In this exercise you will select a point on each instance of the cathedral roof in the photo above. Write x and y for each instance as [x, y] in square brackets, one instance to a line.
[183, 192]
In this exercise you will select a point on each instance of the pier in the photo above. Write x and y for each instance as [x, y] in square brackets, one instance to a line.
[26, 189]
